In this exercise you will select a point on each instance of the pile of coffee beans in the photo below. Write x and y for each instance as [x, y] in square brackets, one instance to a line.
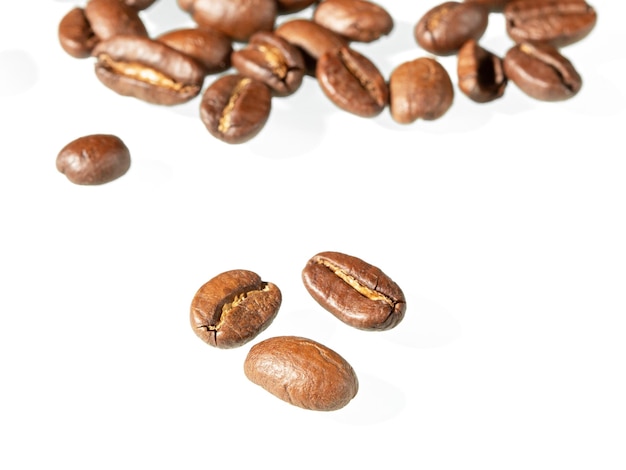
[234, 307]
[259, 59]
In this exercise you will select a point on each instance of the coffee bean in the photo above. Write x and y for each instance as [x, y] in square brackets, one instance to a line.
[540, 71]
[109, 18]
[480, 73]
[238, 19]
[148, 70]
[356, 20]
[313, 40]
[272, 60]
[208, 46]
[302, 372]
[495, 6]
[442, 30]
[352, 82]
[75, 34]
[558, 22]
[94, 159]
[419, 89]
[233, 308]
[356, 292]
[234, 108]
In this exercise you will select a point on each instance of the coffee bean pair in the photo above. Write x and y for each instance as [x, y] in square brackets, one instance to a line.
[234, 307]
[538, 28]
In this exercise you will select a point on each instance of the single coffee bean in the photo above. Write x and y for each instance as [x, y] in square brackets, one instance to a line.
[272, 60]
[419, 89]
[238, 19]
[233, 308]
[292, 6]
[208, 46]
[356, 292]
[109, 18]
[442, 30]
[495, 6]
[148, 70]
[352, 82]
[540, 71]
[75, 34]
[313, 40]
[302, 372]
[234, 108]
[480, 73]
[356, 20]
[94, 159]
[558, 22]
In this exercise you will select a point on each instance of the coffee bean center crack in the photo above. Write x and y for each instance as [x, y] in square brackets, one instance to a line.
[226, 117]
[558, 68]
[141, 72]
[356, 285]
[353, 67]
[228, 307]
[275, 61]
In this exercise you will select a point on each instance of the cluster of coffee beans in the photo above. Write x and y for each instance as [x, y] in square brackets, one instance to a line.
[234, 307]
[273, 58]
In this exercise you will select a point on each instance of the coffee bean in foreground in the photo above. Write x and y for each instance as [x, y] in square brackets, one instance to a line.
[354, 291]
[94, 159]
[302, 372]
[480, 73]
[233, 308]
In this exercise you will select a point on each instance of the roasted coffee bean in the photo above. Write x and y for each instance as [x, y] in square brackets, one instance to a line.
[480, 73]
[558, 22]
[109, 18]
[272, 60]
[356, 20]
[540, 71]
[238, 19]
[94, 159]
[234, 108]
[233, 308]
[352, 82]
[313, 40]
[208, 46]
[442, 30]
[419, 89]
[292, 6]
[148, 70]
[492, 5]
[75, 34]
[302, 372]
[356, 292]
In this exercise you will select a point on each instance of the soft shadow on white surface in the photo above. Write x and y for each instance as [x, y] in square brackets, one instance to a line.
[18, 72]
[375, 402]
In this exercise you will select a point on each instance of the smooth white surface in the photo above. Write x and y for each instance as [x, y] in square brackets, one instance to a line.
[504, 224]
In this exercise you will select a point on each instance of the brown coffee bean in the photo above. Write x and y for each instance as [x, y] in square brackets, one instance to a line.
[234, 108]
[292, 6]
[313, 40]
[442, 30]
[356, 292]
[272, 60]
[356, 20]
[480, 73]
[94, 159]
[302, 372]
[352, 82]
[208, 46]
[238, 19]
[495, 6]
[109, 18]
[75, 34]
[148, 70]
[233, 308]
[540, 71]
[558, 22]
[419, 89]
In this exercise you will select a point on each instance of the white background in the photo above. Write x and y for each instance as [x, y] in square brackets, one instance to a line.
[504, 224]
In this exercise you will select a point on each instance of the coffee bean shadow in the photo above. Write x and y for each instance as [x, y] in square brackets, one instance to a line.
[600, 96]
[425, 325]
[18, 72]
[375, 402]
